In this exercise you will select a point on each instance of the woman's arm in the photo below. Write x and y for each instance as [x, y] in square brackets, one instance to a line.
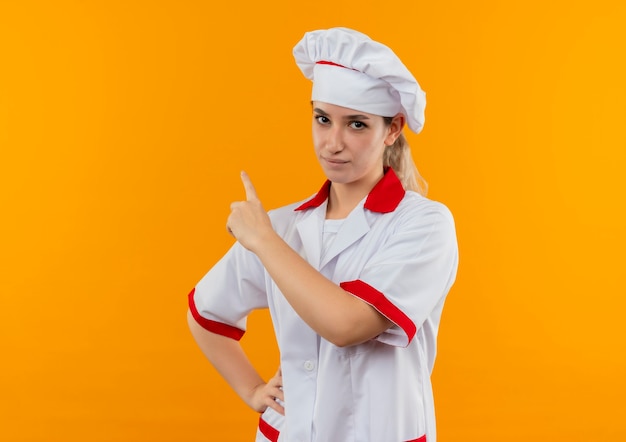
[233, 365]
[333, 313]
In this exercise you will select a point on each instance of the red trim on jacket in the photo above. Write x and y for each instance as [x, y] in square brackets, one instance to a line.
[378, 300]
[383, 198]
[419, 439]
[213, 326]
[270, 432]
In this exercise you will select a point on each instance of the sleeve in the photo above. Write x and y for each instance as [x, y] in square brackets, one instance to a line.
[409, 276]
[223, 298]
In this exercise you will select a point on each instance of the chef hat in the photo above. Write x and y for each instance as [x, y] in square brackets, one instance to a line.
[351, 70]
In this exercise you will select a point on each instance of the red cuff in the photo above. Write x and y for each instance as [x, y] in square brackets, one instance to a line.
[377, 300]
[213, 326]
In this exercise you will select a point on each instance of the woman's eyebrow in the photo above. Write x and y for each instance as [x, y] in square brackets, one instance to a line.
[317, 110]
[345, 117]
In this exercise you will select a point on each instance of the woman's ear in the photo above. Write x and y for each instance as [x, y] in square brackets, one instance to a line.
[395, 129]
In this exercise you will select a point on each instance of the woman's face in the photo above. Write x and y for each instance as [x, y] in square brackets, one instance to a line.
[349, 144]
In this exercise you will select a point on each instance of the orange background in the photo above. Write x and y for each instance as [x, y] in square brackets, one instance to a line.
[124, 124]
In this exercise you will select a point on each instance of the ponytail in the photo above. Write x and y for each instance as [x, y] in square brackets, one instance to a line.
[398, 157]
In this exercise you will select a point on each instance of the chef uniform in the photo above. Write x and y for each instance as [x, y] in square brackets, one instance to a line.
[396, 251]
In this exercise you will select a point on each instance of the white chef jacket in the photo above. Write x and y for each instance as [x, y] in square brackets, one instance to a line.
[397, 251]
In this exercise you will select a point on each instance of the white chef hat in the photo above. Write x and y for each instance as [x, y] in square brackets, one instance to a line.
[351, 70]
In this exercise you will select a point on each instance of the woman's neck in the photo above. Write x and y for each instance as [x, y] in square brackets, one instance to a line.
[343, 198]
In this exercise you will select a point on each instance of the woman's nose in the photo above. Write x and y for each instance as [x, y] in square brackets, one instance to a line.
[334, 142]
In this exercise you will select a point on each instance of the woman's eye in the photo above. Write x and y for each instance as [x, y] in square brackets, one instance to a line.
[322, 119]
[358, 125]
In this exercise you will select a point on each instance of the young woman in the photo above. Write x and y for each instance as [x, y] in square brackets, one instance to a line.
[355, 277]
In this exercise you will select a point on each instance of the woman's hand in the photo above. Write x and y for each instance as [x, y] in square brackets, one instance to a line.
[268, 395]
[248, 222]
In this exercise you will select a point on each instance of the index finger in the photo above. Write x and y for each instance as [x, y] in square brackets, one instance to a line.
[247, 185]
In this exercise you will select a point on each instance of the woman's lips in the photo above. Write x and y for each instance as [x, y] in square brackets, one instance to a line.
[335, 162]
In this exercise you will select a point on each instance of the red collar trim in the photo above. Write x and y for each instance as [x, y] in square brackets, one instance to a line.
[383, 198]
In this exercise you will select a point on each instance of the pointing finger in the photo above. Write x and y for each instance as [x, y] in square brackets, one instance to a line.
[247, 185]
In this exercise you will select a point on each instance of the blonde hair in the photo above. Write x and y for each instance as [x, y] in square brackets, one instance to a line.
[398, 157]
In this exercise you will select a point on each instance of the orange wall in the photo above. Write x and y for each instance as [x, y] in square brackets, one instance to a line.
[123, 126]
